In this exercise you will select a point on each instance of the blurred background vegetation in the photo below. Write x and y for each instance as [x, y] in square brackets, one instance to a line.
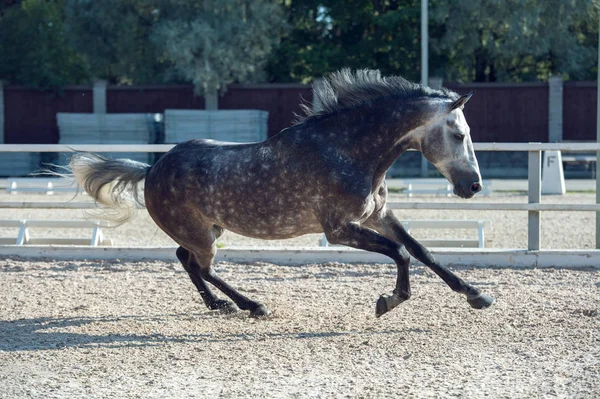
[48, 44]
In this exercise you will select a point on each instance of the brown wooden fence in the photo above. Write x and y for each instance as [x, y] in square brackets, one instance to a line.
[497, 112]
[506, 113]
[579, 111]
[30, 116]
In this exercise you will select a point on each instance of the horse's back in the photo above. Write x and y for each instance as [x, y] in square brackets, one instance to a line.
[208, 144]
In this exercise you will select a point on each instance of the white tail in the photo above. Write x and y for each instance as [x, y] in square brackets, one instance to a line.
[114, 183]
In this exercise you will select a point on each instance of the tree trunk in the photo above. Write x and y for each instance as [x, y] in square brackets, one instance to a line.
[492, 75]
[480, 65]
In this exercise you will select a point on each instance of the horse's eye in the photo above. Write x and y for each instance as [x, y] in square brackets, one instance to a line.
[459, 137]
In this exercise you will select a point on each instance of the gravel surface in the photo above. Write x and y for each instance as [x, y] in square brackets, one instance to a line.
[138, 330]
[560, 230]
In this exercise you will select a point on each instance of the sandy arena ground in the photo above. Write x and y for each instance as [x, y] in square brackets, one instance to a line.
[139, 330]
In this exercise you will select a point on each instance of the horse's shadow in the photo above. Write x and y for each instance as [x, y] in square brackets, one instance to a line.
[37, 334]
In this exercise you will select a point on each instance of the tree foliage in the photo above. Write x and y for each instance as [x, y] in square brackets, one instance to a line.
[328, 35]
[210, 43]
[483, 40]
[217, 42]
[515, 40]
[114, 37]
[34, 50]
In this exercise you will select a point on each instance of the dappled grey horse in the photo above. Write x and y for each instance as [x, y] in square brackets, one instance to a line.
[326, 173]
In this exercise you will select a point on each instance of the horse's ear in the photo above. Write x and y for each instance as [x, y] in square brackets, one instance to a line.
[461, 101]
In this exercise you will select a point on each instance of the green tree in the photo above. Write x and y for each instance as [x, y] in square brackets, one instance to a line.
[34, 50]
[214, 43]
[328, 35]
[514, 40]
[114, 36]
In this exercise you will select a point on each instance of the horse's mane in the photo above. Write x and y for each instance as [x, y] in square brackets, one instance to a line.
[347, 89]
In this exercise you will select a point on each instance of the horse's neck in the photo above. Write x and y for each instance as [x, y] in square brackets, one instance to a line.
[373, 136]
[387, 134]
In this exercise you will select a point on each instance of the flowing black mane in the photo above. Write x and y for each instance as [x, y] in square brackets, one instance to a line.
[347, 89]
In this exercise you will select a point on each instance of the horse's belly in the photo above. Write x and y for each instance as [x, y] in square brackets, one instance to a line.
[271, 226]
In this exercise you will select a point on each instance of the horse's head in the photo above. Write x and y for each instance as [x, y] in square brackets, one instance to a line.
[445, 142]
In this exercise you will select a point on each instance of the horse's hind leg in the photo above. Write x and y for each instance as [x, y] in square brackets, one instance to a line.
[210, 300]
[202, 254]
[204, 259]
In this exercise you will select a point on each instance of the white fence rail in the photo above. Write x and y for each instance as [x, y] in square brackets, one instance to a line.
[24, 237]
[533, 207]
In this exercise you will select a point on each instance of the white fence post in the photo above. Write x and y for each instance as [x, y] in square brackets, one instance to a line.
[555, 109]
[99, 92]
[535, 194]
[211, 100]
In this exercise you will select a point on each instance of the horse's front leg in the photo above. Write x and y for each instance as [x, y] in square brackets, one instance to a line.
[393, 227]
[356, 236]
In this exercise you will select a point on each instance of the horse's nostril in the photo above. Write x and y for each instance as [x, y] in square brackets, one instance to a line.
[475, 187]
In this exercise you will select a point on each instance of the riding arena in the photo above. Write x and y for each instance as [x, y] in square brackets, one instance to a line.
[289, 268]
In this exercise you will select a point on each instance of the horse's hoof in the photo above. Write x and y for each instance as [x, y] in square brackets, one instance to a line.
[260, 311]
[224, 306]
[381, 307]
[481, 302]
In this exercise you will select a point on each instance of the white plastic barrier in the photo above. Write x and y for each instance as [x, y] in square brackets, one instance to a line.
[553, 176]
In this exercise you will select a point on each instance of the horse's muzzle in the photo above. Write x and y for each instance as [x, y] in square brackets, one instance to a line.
[466, 189]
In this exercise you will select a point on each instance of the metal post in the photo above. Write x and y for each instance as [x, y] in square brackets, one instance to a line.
[424, 67]
[1, 112]
[598, 152]
[424, 44]
[535, 194]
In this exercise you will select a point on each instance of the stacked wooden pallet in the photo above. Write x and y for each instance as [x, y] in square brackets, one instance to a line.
[223, 125]
[108, 129]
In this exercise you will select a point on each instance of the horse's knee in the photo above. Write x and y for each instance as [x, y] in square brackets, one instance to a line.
[403, 256]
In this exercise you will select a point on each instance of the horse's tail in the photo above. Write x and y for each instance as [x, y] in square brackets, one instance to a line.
[114, 183]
